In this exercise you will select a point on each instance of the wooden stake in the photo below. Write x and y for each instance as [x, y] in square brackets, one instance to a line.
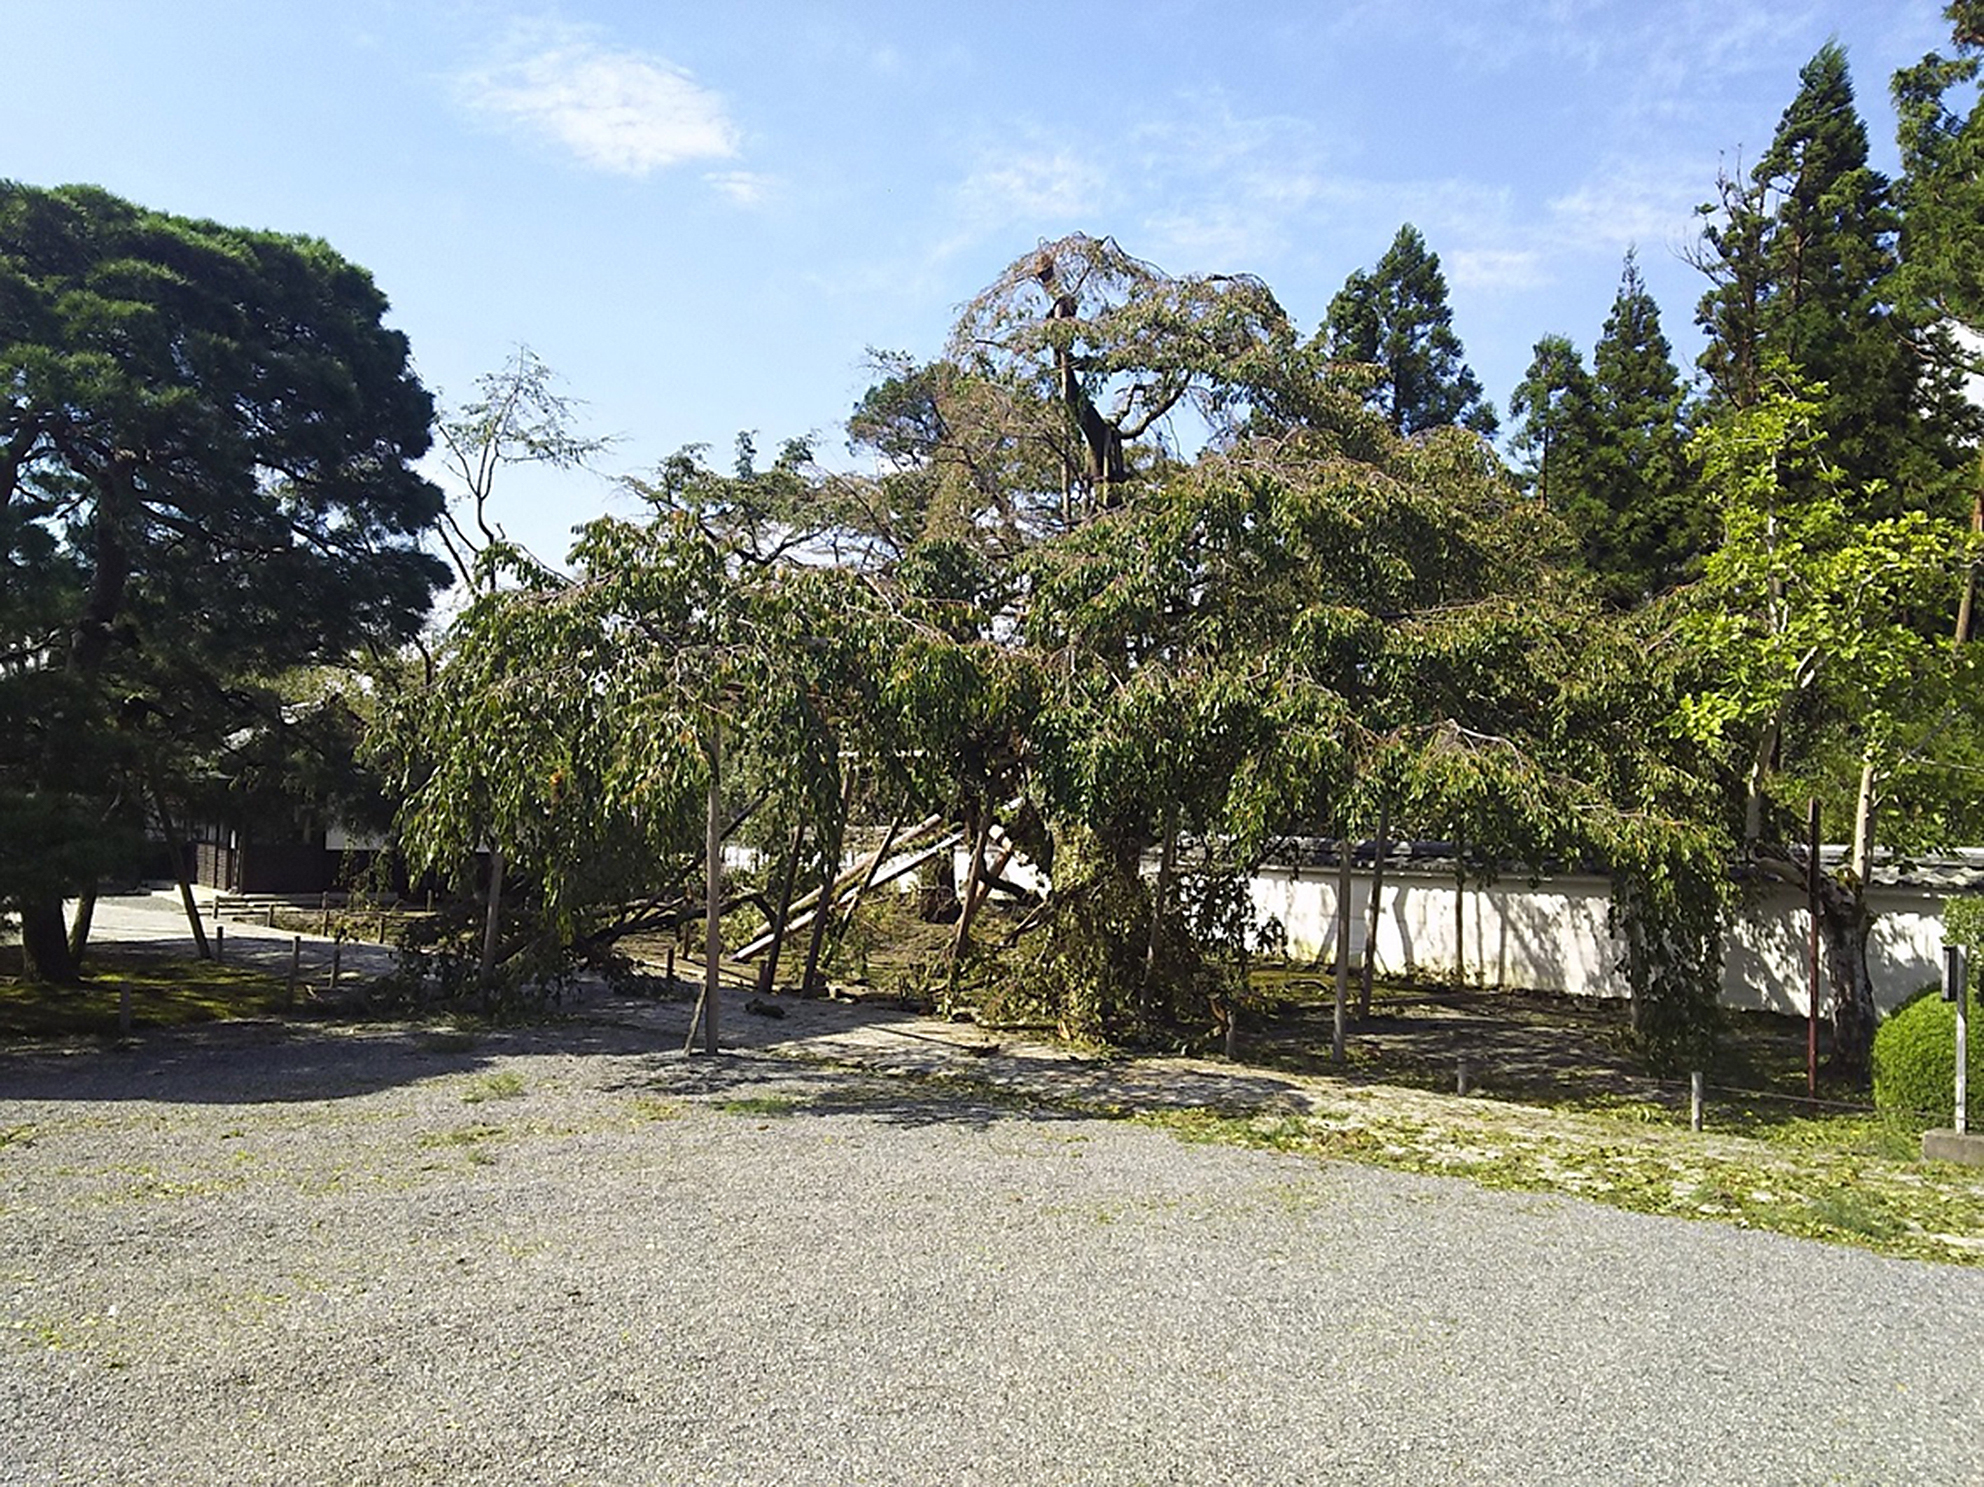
[1696, 1089]
[295, 968]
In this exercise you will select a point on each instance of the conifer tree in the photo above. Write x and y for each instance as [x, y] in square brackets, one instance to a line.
[1802, 258]
[1942, 156]
[1397, 320]
[1554, 403]
[1643, 525]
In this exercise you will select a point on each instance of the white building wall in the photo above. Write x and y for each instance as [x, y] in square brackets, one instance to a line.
[1552, 936]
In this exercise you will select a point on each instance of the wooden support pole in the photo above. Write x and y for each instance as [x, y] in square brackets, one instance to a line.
[1812, 947]
[295, 969]
[1460, 911]
[1342, 949]
[782, 911]
[909, 865]
[1379, 849]
[220, 943]
[1697, 1088]
[713, 893]
[492, 924]
[854, 896]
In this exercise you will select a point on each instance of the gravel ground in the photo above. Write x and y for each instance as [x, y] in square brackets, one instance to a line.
[250, 1255]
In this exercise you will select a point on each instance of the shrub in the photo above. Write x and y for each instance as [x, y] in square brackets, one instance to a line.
[1915, 1061]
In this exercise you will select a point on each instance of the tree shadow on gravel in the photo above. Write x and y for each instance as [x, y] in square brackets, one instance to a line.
[775, 1088]
[314, 1056]
[953, 1084]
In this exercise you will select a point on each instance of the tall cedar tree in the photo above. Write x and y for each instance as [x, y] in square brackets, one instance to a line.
[1642, 522]
[1554, 403]
[1397, 320]
[1942, 156]
[1802, 258]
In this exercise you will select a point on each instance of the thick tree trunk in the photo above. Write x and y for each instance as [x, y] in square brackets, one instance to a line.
[45, 956]
[1844, 923]
[973, 881]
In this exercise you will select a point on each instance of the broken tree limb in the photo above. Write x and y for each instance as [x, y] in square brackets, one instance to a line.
[803, 908]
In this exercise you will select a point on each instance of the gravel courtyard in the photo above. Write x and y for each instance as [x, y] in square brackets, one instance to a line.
[567, 1255]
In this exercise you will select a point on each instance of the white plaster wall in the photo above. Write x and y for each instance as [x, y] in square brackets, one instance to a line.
[1552, 936]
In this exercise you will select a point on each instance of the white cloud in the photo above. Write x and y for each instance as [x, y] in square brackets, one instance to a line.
[1040, 189]
[1493, 269]
[745, 188]
[1626, 207]
[624, 112]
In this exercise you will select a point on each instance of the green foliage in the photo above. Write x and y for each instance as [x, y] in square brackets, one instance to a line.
[1915, 1060]
[1803, 262]
[1556, 430]
[206, 447]
[1396, 320]
[1634, 501]
[1942, 153]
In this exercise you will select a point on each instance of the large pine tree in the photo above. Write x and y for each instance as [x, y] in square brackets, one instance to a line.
[1396, 319]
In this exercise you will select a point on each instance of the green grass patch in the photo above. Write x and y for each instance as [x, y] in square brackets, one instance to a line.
[164, 993]
[502, 1085]
[1861, 1192]
[760, 1105]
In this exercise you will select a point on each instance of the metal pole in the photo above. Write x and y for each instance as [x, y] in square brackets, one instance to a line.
[1812, 911]
[1956, 977]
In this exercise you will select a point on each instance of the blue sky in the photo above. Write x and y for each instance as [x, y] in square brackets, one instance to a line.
[703, 215]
